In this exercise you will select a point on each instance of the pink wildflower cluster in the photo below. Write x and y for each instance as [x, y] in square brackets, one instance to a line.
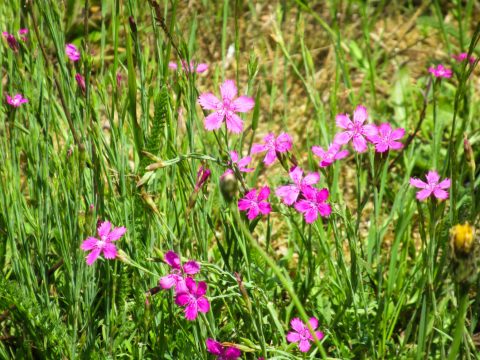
[188, 293]
[103, 245]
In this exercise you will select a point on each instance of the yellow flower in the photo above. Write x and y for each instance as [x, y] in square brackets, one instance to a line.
[462, 238]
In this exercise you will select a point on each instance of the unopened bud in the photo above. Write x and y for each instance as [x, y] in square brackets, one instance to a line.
[462, 238]
[228, 185]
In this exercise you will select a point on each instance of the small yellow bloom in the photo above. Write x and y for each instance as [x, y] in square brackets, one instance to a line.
[462, 238]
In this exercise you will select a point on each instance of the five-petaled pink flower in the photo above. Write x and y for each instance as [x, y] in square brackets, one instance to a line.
[192, 296]
[314, 203]
[179, 273]
[192, 67]
[104, 244]
[440, 71]
[272, 146]
[16, 100]
[356, 131]
[255, 204]
[72, 52]
[386, 139]
[11, 41]
[301, 334]
[226, 108]
[222, 352]
[241, 163]
[432, 186]
[463, 56]
[332, 154]
[290, 193]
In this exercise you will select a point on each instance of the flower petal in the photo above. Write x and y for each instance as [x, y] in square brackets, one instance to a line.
[304, 345]
[191, 267]
[104, 228]
[202, 67]
[360, 114]
[343, 121]
[182, 299]
[214, 120]
[172, 259]
[313, 322]
[89, 244]
[234, 123]
[440, 194]
[311, 179]
[293, 336]
[288, 194]
[324, 209]
[203, 304]
[93, 256]
[343, 137]
[359, 143]
[191, 311]
[109, 251]
[257, 148]
[264, 208]
[116, 233]
[201, 288]
[214, 347]
[168, 281]
[444, 184]
[208, 101]
[417, 183]
[423, 194]
[243, 104]
[283, 142]
[232, 353]
[397, 134]
[297, 325]
[263, 193]
[432, 177]
[270, 157]
[311, 215]
[228, 90]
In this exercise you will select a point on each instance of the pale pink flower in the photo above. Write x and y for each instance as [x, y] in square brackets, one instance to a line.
[290, 193]
[241, 163]
[433, 186]
[255, 204]
[329, 156]
[463, 56]
[81, 82]
[16, 100]
[226, 108]
[440, 71]
[191, 67]
[222, 352]
[104, 244]
[273, 146]
[192, 297]
[72, 52]
[314, 203]
[356, 131]
[11, 41]
[301, 334]
[179, 272]
[386, 139]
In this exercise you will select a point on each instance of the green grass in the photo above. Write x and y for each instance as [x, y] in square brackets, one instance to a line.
[379, 274]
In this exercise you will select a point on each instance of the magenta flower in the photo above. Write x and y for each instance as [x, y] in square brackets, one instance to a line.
[440, 71]
[177, 275]
[386, 139]
[242, 164]
[72, 52]
[273, 146]
[356, 130]
[192, 67]
[301, 334]
[16, 100]
[192, 297]
[463, 56]
[332, 154]
[11, 41]
[290, 193]
[104, 244]
[222, 352]
[81, 82]
[202, 176]
[23, 34]
[432, 186]
[226, 108]
[255, 204]
[314, 203]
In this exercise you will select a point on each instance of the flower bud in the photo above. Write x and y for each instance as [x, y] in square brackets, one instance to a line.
[228, 185]
[463, 238]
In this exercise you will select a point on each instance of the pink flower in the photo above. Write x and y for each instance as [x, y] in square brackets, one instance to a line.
[314, 203]
[356, 130]
[440, 71]
[193, 298]
[432, 186]
[273, 146]
[222, 352]
[23, 34]
[119, 79]
[290, 193]
[192, 67]
[72, 52]
[81, 82]
[332, 154]
[386, 139]
[463, 56]
[104, 244]
[242, 164]
[11, 41]
[226, 108]
[301, 334]
[255, 204]
[177, 275]
[16, 101]
[202, 176]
